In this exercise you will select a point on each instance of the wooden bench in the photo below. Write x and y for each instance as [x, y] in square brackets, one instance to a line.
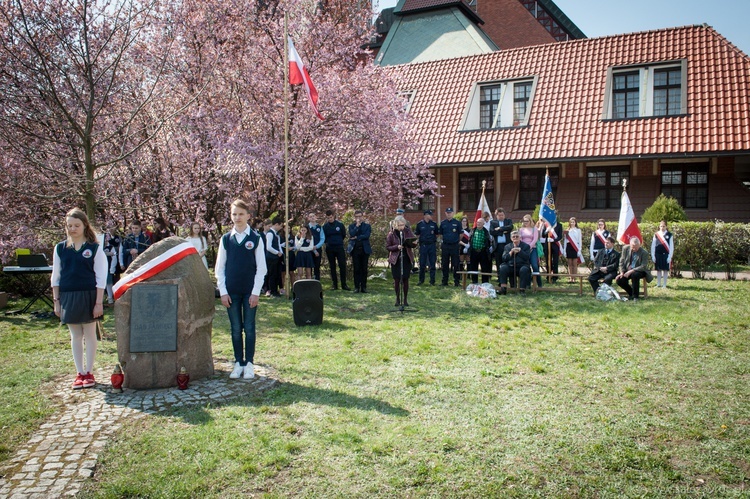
[549, 275]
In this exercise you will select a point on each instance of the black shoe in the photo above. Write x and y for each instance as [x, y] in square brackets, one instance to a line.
[444, 284]
[432, 284]
[334, 287]
[420, 283]
[406, 303]
[398, 304]
[345, 287]
[363, 290]
[356, 290]
[458, 284]
[523, 292]
[503, 291]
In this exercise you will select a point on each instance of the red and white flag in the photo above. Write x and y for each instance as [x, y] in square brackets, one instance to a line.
[628, 225]
[298, 75]
[482, 209]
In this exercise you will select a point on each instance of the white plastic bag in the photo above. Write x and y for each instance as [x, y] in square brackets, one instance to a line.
[484, 290]
[607, 293]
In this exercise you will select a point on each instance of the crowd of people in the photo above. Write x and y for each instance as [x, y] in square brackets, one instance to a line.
[255, 257]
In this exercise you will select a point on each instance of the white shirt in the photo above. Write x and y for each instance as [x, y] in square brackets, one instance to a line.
[221, 263]
[100, 268]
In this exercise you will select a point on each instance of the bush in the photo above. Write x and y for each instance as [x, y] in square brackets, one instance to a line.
[694, 246]
[664, 208]
[730, 243]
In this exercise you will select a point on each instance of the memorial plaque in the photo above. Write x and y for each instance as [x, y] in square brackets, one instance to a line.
[153, 318]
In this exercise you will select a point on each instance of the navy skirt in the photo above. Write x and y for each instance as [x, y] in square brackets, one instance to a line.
[304, 260]
[77, 307]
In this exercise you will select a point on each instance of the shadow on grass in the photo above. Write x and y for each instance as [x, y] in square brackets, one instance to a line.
[292, 393]
[283, 394]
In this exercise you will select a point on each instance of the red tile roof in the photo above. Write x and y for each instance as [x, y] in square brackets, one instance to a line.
[565, 121]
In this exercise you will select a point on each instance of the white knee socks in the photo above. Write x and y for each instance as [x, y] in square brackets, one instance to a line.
[80, 333]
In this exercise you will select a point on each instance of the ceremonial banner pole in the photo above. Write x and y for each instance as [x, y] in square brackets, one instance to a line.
[287, 229]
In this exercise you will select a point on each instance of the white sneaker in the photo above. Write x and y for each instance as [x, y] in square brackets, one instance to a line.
[249, 371]
[237, 371]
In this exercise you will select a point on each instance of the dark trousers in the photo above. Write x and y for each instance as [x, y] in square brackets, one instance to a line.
[359, 263]
[274, 274]
[506, 271]
[479, 259]
[242, 317]
[595, 276]
[631, 284]
[427, 258]
[450, 260]
[336, 254]
[316, 264]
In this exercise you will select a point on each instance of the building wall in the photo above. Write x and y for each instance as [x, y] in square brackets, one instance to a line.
[728, 198]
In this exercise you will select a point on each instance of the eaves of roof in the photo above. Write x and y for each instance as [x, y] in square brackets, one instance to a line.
[561, 18]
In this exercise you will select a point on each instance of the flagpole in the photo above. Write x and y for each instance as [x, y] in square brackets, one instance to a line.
[549, 246]
[287, 228]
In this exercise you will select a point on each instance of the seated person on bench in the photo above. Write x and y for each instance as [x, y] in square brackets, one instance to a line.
[633, 267]
[516, 263]
[606, 263]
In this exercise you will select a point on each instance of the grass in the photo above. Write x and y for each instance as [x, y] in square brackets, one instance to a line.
[550, 395]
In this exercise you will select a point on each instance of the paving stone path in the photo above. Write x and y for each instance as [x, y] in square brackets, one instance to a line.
[62, 454]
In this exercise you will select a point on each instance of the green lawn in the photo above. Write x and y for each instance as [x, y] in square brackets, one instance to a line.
[552, 395]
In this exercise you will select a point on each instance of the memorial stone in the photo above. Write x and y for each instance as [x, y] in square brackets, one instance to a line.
[164, 322]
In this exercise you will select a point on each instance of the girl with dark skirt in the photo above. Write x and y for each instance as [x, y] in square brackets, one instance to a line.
[79, 277]
[398, 248]
[662, 249]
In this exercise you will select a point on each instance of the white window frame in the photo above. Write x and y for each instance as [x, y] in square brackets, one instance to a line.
[408, 96]
[504, 116]
[645, 89]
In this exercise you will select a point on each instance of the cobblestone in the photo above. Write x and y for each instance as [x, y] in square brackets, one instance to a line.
[58, 459]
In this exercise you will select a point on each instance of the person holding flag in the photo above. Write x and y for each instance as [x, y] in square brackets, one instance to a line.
[550, 232]
[662, 249]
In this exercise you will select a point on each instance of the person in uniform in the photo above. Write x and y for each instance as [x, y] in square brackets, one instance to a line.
[334, 233]
[319, 238]
[662, 249]
[360, 249]
[427, 231]
[450, 229]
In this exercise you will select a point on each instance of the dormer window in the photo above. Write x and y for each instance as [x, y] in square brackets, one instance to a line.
[646, 91]
[501, 104]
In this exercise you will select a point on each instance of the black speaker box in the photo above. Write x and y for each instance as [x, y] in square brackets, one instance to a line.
[307, 302]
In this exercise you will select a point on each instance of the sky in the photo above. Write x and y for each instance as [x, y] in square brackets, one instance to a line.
[612, 17]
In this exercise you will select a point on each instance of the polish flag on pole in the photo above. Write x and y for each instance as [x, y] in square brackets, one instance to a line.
[298, 75]
[628, 225]
[482, 208]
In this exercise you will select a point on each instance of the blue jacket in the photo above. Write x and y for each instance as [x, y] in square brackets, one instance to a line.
[359, 234]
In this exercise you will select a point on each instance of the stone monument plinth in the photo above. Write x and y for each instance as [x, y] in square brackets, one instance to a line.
[164, 322]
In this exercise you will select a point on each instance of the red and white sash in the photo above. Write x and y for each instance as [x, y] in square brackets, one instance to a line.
[576, 248]
[600, 234]
[662, 241]
[153, 267]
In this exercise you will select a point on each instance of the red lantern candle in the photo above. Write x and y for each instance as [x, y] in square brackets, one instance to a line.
[117, 378]
[182, 379]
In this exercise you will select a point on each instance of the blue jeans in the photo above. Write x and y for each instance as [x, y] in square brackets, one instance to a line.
[534, 260]
[242, 316]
